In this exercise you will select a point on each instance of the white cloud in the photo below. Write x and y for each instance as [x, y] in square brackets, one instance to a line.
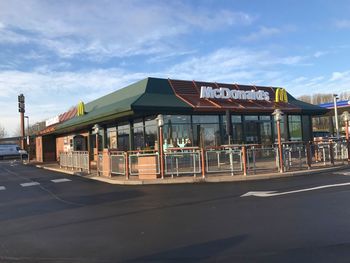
[263, 32]
[335, 82]
[49, 93]
[336, 76]
[343, 24]
[109, 28]
[318, 54]
[233, 63]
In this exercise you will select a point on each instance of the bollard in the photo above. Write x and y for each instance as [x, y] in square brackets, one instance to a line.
[308, 155]
[202, 163]
[331, 152]
[244, 158]
[126, 166]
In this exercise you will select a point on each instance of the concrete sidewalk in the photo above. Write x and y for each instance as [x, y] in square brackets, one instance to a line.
[212, 178]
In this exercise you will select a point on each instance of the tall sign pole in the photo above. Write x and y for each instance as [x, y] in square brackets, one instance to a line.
[335, 97]
[21, 110]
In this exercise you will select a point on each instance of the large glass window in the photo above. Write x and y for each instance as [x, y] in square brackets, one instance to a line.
[151, 132]
[206, 130]
[251, 129]
[139, 142]
[123, 137]
[112, 138]
[251, 117]
[177, 131]
[294, 127]
[283, 128]
[237, 129]
[265, 130]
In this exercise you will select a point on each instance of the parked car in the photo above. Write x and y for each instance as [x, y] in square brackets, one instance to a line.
[8, 151]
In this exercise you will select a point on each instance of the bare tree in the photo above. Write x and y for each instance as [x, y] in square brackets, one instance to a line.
[319, 98]
[3, 132]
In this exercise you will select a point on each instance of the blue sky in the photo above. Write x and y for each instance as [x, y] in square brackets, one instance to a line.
[59, 52]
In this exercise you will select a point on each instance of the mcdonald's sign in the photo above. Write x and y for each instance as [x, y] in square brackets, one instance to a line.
[80, 109]
[281, 95]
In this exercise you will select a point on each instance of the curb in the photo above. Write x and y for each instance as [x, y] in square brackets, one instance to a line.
[194, 180]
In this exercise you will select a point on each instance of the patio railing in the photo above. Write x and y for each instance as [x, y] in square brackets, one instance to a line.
[77, 160]
[223, 160]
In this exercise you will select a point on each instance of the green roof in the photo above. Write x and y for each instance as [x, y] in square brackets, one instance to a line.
[150, 95]
[142, 95]
[307, 108]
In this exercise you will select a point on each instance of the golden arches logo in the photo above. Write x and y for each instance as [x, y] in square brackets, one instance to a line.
[80, 109]
[281, 95]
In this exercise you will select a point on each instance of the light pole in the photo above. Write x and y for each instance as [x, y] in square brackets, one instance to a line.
[346, 118]
[335, 98]
[28, 138]
[96, 130]
[160, 122]
[278, 117]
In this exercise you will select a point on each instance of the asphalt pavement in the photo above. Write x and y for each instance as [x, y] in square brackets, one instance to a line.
[52, 217]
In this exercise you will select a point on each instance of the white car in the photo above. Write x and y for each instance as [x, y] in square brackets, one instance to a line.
[8, 151]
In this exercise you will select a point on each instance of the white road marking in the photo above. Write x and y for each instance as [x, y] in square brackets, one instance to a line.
[30, 184]
[60, 180]
[342, 173]
[274, 193]
[2, 188]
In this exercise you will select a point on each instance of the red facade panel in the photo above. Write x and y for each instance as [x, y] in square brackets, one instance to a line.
[189, 92]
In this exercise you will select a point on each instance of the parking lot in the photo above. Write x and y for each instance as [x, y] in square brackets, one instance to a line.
[51, 217]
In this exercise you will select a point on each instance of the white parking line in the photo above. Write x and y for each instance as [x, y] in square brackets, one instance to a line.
[2, 188]
[60, 180]
[30, 184]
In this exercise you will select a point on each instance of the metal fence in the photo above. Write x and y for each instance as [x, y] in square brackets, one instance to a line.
[100, 164]
[321, 153]
[262, 158]
[295, 156]
[340, 151]
[117, 163]
[225, 159]
[144, 163]
[182, 162]
[77, 160]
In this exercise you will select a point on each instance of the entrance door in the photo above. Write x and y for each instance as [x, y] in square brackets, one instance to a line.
[265, 133]
[252, 132]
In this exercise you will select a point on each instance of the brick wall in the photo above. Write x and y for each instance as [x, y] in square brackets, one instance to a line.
[39, 149]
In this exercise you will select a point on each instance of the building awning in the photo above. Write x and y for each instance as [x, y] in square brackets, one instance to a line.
[155, 95]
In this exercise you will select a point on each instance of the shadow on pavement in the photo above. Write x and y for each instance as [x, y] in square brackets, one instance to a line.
[34, 208]
[202, 252]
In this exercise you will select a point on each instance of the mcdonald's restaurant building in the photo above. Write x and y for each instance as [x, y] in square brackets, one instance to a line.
[195, 113]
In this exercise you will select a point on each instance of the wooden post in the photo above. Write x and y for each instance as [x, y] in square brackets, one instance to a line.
[126, 166]
[203, 162]
[244, 158]
[331, 153]
[279, 140]
[347, 139]
[308, 155]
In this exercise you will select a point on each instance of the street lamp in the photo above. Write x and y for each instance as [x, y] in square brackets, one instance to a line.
[335, 98]
[278, 114]
[346, 118]
[96, 130]
[160, 122]
[28, 138]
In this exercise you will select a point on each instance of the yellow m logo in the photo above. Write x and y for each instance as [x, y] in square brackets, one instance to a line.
[281, 95]
[80, 109]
